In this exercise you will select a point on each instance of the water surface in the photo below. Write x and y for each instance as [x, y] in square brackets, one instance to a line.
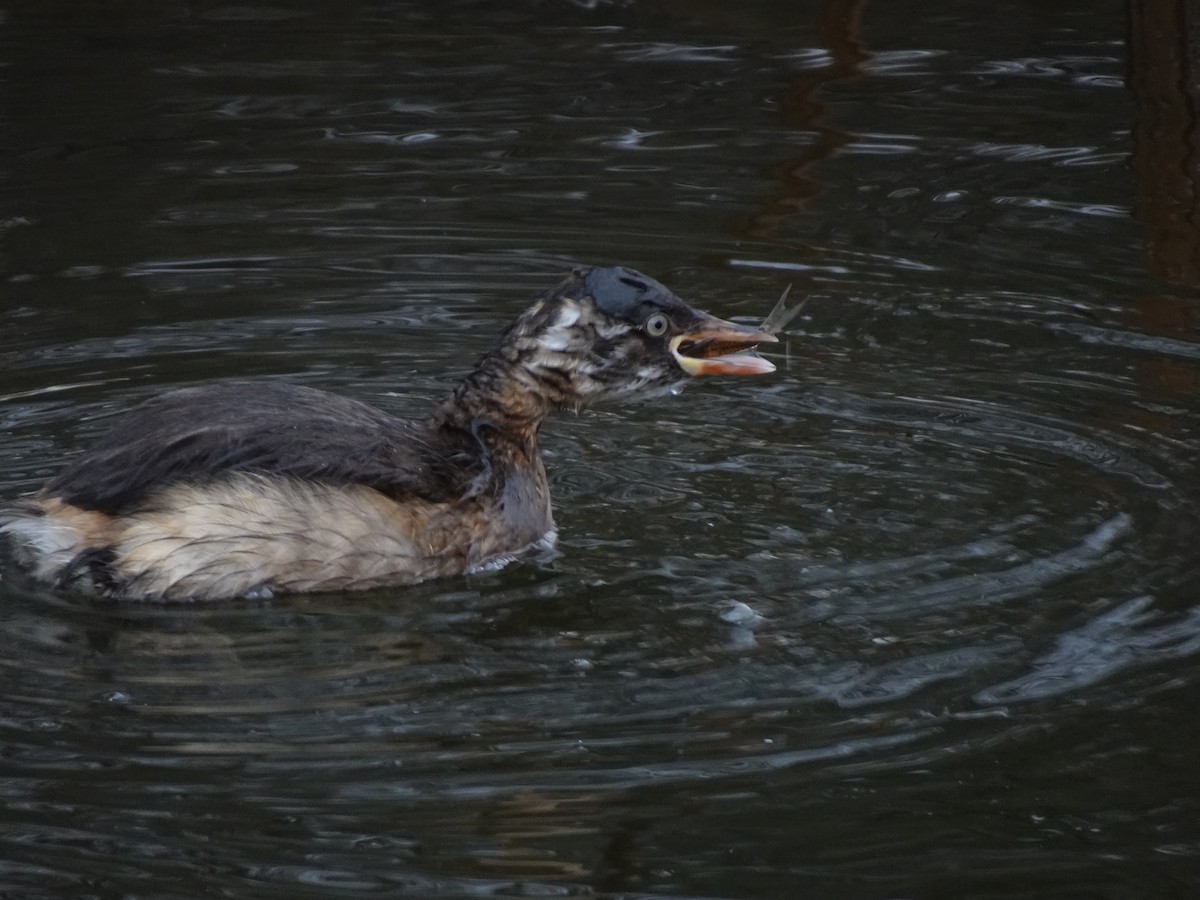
[914, 617]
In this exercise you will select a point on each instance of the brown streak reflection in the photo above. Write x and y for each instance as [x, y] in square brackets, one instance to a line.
[521, 824]
[840, 25]
[1164, 75]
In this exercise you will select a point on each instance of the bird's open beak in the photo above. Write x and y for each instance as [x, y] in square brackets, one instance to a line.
[716, 347]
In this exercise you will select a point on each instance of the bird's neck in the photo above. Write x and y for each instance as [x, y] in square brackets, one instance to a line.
[501, 403]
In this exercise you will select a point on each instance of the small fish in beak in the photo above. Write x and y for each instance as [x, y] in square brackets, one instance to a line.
[714, 346]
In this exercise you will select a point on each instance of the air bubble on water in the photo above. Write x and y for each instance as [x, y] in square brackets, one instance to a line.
[740, 614]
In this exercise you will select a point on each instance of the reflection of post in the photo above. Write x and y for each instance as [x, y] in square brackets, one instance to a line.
[801, 109]
[1164, 75]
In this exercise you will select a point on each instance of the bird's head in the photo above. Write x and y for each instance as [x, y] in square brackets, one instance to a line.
[613, 333]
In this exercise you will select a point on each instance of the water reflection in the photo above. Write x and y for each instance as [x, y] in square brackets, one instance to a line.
[1166, 137]
[1165, 141]
[915, 617]
[843, 57]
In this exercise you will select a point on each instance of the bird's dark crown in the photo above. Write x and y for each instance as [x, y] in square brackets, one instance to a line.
[620, 292]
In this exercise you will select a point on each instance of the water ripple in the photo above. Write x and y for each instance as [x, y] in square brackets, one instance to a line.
[1128, 636]
[927, 593]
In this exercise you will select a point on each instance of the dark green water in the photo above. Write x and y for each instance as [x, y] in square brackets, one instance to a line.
[916, 617]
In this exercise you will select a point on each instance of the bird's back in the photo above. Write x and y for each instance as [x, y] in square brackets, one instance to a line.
[196, 434]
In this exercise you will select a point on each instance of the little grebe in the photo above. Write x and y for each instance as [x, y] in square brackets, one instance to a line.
[244, 489]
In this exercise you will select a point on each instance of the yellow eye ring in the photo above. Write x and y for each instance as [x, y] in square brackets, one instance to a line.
[657, 325]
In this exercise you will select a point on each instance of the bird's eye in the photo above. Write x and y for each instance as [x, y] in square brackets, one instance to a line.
[657, 325]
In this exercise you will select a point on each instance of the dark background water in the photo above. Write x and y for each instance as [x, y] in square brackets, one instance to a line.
[915, 617]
